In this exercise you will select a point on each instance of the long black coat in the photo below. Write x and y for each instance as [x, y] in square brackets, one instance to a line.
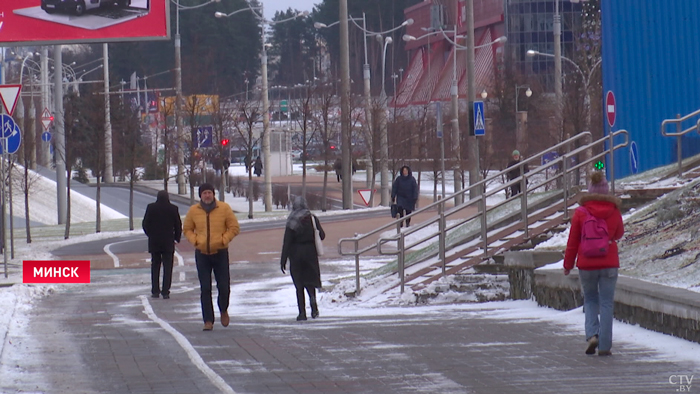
[162, 225]
[300, 248]
[405, 190]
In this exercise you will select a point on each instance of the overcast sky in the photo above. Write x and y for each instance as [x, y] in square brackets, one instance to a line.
[271, 6]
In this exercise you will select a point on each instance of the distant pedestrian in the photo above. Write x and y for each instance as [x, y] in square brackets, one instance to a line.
[210, 226]
[598, 275]
[516, 172]
[258, 166]
[299, 247]
[404, 192]
[338, 167]
[163, 227]
[246, 160]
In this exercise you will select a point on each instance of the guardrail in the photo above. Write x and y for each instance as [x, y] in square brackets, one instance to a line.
[680, 133]
[486, 218]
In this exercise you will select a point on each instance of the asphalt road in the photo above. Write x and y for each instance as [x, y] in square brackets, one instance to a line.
[138, 243]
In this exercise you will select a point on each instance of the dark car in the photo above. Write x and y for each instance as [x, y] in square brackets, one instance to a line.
[78, 7]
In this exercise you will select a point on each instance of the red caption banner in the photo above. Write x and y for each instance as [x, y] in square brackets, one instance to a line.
[56, 271]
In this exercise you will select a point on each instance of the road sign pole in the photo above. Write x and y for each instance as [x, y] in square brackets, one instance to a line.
[4, 201]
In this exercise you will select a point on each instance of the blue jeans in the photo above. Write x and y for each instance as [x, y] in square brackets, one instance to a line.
[599, 299]
[218, 263]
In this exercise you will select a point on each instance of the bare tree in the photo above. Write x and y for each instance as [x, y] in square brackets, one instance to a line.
[303, 107]
[327, 126]
[244, 124]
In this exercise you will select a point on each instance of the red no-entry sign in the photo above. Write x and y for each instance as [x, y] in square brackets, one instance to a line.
[610, 109]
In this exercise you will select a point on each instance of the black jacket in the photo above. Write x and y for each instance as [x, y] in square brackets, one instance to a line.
[515, 172]
[162, 225]
[300, 248]
[405, 190]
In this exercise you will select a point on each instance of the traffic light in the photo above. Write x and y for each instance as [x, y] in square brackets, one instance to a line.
[599, 165]
[224, 142]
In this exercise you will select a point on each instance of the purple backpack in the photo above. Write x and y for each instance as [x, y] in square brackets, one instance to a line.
[595, 239]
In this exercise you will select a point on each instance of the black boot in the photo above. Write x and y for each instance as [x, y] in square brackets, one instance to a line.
[301, 317]
[314, 310]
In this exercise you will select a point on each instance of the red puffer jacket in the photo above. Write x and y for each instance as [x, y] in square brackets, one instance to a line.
[602, 206]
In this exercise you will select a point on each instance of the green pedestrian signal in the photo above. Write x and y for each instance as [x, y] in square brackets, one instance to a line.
[599, 165]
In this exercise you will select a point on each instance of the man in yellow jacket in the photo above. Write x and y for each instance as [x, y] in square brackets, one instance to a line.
[210, 226]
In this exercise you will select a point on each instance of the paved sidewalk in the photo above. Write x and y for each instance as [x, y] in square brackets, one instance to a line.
[108, 338]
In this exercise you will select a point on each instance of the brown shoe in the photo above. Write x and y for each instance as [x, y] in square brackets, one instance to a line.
[592, 344]
[208, 326]
[224, 319]
[604, 353]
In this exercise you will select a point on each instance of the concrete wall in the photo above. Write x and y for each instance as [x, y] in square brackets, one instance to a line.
[653, 306]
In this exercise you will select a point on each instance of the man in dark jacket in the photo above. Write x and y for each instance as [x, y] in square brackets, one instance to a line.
[163, 227]
[404, 192]
[515, 172]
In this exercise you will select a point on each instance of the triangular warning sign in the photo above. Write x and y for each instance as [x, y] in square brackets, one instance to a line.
[365, 194]
[46, 118]
[479, 122]
[9, 95]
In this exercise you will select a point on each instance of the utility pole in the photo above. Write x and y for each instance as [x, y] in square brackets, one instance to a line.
[45, 103]
[266, 126]
[368, 112]
[557, 69]
[109, 172]
[471, 95]
[456, 138]
[178, 106]
[60, 145]
[345, 105]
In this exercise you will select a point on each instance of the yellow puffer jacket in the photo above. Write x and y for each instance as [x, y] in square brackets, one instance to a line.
[211, 232]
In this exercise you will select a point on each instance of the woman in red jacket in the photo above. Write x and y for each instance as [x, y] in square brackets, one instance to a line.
[598, 275]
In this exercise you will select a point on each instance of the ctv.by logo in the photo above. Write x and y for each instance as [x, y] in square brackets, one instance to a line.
[682, 381]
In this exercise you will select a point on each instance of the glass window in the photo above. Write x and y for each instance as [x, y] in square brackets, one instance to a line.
[527, 23]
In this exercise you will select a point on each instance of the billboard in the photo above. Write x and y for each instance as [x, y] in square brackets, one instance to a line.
[43, 22]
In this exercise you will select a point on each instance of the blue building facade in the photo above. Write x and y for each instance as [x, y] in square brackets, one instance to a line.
[651, 62]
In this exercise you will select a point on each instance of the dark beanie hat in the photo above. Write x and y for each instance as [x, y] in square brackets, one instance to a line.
[205, 186]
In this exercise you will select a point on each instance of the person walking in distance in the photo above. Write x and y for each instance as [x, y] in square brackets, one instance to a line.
[258, 166]
[596, 222]
[338, 167]
[516, 172]
[163, 227]
[404, 192]
[300, 248]
[210, 226]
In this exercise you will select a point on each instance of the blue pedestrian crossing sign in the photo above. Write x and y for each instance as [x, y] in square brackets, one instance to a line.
[11, 135]
[203, 137]
[634, 157]
[479, 123]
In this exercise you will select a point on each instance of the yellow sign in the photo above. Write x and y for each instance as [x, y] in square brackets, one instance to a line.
[200, 104]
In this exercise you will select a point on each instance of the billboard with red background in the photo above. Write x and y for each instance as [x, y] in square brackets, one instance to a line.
[37, 22]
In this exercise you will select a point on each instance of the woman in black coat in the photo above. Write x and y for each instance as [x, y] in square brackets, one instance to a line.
[163, 227]
[405, 192]
[300, 248]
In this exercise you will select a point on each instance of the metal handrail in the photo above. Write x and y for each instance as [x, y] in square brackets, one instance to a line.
[479, 202]
[680, 133]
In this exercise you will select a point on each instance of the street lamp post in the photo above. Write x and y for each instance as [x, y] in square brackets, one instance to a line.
[455, 98]
[178, 94]
[528, 93]
[265, 93]
[383, 135]
[368, 117]
[586, 78]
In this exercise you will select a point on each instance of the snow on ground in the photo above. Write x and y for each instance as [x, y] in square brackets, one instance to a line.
[43, 202]
[16, 301]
